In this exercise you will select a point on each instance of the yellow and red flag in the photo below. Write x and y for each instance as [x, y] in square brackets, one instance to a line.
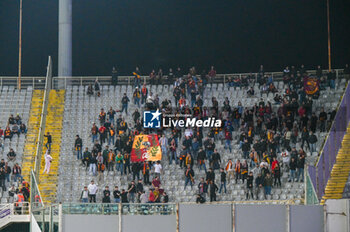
[146, 148]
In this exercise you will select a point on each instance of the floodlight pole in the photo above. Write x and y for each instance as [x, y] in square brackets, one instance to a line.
[65, 38]
[20, 47]
[329, 38]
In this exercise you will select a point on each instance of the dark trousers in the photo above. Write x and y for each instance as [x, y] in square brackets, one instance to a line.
[136, 174]
[126, 167]
[92, 198]
[146, 178]
[212, 197]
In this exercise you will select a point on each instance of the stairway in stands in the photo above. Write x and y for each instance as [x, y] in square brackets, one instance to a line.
[32, 133]
[340, 171]
[54, 118]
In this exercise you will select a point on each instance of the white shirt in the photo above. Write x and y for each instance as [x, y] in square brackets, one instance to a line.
[157, 168]
[85, 194]
[48, 157]
[143, 198]
[92, 189]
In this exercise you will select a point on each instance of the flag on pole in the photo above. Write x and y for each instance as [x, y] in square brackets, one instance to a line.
[146, 148]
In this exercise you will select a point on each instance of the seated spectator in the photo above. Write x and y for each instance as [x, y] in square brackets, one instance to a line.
[272, 88]
[8, 134]
[23, 128]
[18, 119]
[15, 130]
[1, 132]
[250, 92]
[156, 182]
[11, 155]
[11, 120]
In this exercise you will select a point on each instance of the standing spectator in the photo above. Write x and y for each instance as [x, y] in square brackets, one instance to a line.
[163, 142]
[7, 170]
[201, 160]
[212, 189]
[48, 160]
[100, 169]
[259, 181]
[300, 165]
[189, 174]
[137, 77]
[92, 164]
[157, 169]
[94, 132]
[137, 95]
[84, 196]
[323, 119]
[106, 195]
[125, 101]
[92, 187]
[277, 175]
[124, 196]
[119, 161]
[212, 74]
[216, 160]
[312, 142]
[292, 167]
[111, 113]
[86, 158]
[78, 144]
[2, 179]
[116, 194]
[135, 168]
[250, 180]
[139, 189]
[202, 187]
[102, 116]
[222, 180]
[126, 157]
[268, 184]
[48, 141]
[144, 94]
[17, 172]
[145, 172]
[238, 167]
[230, 169]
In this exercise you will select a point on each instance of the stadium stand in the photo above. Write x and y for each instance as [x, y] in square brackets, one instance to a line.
[13, 102]
[81, 111]
[48, 182]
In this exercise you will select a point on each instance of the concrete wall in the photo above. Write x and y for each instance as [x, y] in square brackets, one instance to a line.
[132, 223]
[262, 218]
[205, 218]
[337, 217]
[87, 223]
[219, 218]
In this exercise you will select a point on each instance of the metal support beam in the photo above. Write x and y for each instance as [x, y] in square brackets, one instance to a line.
[65, 39]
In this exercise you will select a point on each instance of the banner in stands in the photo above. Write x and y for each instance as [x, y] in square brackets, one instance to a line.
[311, 85]
[146, 148]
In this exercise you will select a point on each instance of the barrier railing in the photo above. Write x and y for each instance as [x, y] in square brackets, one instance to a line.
[127, 80]
[39, 82]
[43, 120]
[321, 171]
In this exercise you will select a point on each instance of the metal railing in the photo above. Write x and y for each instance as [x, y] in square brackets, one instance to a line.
[10, 209]
[36, 82]
[59, 82]
[40, 142]
[127, 80]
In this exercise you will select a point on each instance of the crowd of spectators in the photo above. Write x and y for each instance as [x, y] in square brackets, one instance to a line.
[273, 137]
